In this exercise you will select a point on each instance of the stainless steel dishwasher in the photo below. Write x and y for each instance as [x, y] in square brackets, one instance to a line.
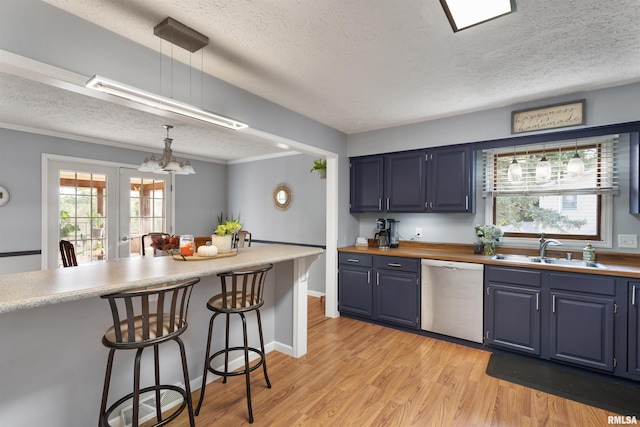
[452, 299]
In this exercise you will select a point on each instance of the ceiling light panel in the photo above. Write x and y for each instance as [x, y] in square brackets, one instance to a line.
[467, 13]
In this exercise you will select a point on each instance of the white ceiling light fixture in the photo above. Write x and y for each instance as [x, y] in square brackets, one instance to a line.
[543, 168]
[184, 37]
[167, 163]
[514, 173]
[575, 167]
[160, 102]
[467, 13]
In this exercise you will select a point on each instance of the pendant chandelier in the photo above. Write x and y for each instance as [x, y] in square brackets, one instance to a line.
[514, 173]
[575, 167]
[543, 168]
[167, 163]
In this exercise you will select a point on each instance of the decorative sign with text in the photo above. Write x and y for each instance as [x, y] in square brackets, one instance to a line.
[549, 117]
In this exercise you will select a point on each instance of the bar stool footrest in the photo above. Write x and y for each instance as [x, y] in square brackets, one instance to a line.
[256, 365]
[183, 405]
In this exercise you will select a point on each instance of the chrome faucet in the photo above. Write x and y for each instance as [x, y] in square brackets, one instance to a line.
[546, 242]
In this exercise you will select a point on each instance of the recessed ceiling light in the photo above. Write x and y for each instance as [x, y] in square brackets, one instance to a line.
[467, 13]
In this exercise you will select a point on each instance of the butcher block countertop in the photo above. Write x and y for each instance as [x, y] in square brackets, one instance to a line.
[618, 264]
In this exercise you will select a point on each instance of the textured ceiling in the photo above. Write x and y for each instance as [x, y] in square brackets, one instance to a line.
[359, 65]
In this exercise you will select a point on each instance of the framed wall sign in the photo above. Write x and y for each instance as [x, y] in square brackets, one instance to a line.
[548, 117]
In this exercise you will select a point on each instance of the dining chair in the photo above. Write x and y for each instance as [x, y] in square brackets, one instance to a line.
[240, 238]
[148, 238]
[68, 254]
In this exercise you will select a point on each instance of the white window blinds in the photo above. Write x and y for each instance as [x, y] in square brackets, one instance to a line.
[598, 154]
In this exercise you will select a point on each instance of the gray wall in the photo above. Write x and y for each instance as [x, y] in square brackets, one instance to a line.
[21, 173]
[606, 106]
[251, 187]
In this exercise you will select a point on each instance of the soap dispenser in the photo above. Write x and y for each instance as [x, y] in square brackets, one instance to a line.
[588, 253]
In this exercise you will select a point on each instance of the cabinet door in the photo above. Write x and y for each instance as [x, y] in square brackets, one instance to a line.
[367, 184]
[634, 329]
[450, 180]
[581, 330]
[512, 318]
[404, 181]
[634, 174]
[397, 298]
[355, 293]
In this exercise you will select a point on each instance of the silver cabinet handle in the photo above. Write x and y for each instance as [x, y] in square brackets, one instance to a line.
[466, 202]
[393, 264]
[537, 301]
[379, 204]
[378, 279]
[633, 295]
[368, 277]
[553, 303]
[353, 260]
[388, 199]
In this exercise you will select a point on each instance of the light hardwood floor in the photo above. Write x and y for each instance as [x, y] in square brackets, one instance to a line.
[359, 374]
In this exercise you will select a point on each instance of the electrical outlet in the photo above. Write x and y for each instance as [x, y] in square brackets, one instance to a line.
[628, 241]
[418, 232]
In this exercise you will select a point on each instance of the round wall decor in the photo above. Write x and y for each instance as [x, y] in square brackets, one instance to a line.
[4, 196]
[282, 196]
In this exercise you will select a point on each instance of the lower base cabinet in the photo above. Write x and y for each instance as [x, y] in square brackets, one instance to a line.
[381, 288]
[581, 330]
[513, 318]
[568, 317]
[633, 333]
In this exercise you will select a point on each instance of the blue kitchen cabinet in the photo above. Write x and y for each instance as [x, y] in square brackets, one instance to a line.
[634, 173]
[581, 330]
[397, 294]
[512, 314]
[633, 332]
[434, 180]
[366, 186]
[450, 182]
[379, 288]
[404, 183]
[582, 319]
[355, 291]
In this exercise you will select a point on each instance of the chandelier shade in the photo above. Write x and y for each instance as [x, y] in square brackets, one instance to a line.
[167, 163]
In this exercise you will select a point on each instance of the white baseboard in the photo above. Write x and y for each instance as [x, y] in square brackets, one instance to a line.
[315, 293]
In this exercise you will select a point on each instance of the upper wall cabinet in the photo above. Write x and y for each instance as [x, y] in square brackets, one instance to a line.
[404, 178]
[450, 184]
[634, 174]
[435, 180]
[366, 184]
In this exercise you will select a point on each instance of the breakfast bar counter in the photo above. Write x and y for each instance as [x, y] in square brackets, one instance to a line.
[52, 361]
[36, 288]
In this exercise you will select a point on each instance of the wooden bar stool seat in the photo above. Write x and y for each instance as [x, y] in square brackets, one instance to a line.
[242, 292]
[145, 318]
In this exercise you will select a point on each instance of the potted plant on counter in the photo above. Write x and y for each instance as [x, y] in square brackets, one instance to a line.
[488, 235]
[222, 237]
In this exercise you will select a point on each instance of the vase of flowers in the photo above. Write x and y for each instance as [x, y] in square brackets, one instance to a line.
[488, 235]
[222, 237]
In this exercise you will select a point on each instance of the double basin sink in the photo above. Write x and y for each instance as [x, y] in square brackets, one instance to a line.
[524, 259]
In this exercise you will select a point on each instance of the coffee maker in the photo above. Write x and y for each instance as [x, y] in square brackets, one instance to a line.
[382, 236]
[387, 235]
[394, 235]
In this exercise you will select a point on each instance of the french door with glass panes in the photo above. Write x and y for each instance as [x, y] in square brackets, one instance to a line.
[145, 201]
[102, 210]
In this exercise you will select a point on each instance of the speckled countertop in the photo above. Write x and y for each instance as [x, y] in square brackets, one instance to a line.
[20, 291]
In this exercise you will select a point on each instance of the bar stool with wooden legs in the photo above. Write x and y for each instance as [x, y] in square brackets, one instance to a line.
[145, 318]
[242, 291]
